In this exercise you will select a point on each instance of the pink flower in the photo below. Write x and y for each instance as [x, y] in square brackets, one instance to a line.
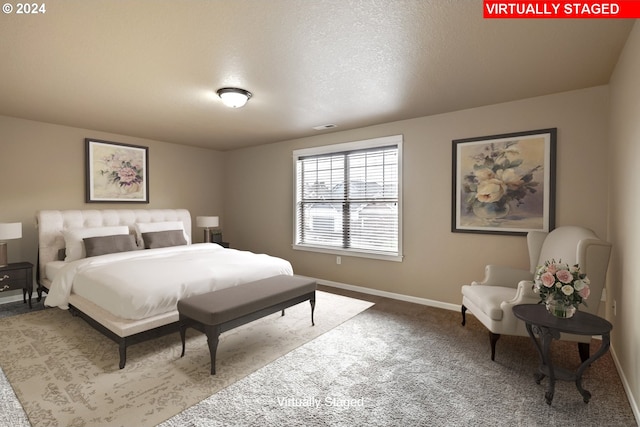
[547, 279]
[564, 276]
[552, 269]
[585, 292]
[126, 175]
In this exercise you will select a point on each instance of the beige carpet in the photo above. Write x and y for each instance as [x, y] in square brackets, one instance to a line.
[65, 373]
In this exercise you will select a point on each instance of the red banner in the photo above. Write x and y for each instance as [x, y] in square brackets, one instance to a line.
[624, 9]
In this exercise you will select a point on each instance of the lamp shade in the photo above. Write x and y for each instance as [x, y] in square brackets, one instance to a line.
[10, 230]
[234, 97]
[207, 221]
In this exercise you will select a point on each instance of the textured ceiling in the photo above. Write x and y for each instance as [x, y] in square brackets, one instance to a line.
[150, 68]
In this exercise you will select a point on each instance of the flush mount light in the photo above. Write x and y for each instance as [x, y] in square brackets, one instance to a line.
[234, 97]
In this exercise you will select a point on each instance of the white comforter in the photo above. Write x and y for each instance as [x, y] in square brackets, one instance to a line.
[140, 284]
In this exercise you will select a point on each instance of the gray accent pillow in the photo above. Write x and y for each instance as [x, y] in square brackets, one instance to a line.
[103, 245]
[163, 239]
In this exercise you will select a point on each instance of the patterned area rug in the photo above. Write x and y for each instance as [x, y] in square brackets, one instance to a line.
[65, 373]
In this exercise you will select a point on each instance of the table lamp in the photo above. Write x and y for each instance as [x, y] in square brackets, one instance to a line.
[207, 222]
[8, 231]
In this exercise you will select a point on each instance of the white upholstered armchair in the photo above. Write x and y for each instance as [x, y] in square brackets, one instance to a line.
[491, 301]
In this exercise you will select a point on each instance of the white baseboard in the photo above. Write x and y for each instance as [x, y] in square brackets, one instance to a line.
[625, 385]
[392, 295]
[11, 298]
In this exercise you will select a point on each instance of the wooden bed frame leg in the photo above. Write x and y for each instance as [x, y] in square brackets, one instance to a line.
[123, 352]
[313, 307]
[183, 335]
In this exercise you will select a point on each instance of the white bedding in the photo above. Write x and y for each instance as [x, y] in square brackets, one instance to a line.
[140, 284]
[52, 268]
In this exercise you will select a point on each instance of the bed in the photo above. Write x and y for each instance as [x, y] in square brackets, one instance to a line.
[123, 271]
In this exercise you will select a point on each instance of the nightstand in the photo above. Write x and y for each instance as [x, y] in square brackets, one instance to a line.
[18, 275]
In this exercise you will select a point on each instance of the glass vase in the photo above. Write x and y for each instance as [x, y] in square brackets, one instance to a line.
[490, 211]
[560, 309]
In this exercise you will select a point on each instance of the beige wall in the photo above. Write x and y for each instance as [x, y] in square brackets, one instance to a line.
[42, 167]
[259, 194]
[624, 221]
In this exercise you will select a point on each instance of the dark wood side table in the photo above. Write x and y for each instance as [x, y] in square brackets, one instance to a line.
[542, 323]
[18, 275]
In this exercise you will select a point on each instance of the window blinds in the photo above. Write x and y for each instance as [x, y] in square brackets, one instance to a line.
[349, 200]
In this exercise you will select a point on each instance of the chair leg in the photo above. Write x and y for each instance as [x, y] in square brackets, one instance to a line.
[583, 349]
[464, 315]
[493, 339]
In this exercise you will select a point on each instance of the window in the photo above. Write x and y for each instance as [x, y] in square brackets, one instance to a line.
[348, 198]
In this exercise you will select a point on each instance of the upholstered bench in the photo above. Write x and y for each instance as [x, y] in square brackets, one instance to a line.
[216, 312]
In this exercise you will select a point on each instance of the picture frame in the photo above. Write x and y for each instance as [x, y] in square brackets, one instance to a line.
[116, 172]
[504, 184]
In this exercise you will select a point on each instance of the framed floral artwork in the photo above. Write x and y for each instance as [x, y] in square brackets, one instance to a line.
[116, 172]
[504, 184]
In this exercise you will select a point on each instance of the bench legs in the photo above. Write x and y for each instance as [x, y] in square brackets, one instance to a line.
[213, 331]
[213, 334]
[313, 307]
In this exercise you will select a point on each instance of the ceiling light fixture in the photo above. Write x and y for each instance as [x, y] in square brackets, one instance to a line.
[234, 97]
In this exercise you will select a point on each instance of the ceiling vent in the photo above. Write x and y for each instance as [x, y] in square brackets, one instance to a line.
[323, 127]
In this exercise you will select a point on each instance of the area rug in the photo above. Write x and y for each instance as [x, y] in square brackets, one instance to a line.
[65, 373]
[413, 366]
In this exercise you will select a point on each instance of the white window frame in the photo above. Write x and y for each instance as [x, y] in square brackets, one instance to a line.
[339, 148]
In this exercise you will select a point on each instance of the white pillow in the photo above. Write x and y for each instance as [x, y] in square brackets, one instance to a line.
[150, 227]
[73, 239]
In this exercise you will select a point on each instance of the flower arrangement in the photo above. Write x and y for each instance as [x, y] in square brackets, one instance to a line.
[497, 178]
[122, 169]
[560, 282]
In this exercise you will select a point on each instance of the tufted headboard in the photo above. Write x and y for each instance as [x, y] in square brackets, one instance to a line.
[51, 223]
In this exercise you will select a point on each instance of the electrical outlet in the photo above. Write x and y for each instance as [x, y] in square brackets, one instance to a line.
[338, 260]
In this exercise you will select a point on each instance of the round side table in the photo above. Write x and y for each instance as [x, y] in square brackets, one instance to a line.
[547, 327]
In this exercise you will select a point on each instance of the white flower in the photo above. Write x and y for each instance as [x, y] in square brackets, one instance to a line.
[491, 190]
[579, 284]
[484, 174]
[510, 178]
[567, 289]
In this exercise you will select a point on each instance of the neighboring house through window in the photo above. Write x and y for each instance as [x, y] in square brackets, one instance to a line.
[348, 198]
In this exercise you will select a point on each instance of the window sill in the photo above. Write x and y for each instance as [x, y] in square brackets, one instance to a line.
[351, 253]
